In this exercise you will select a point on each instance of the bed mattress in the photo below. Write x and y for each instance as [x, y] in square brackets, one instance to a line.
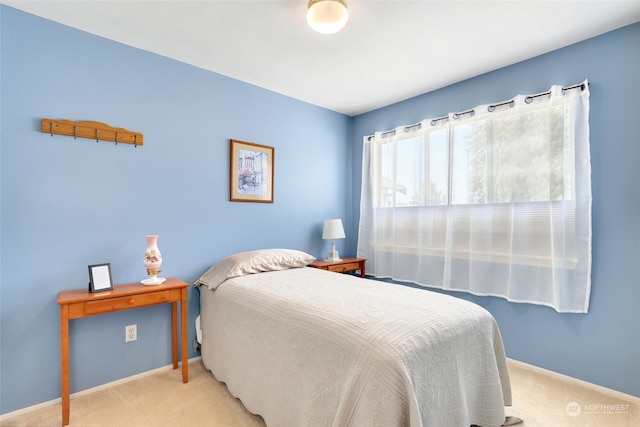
[307, 347]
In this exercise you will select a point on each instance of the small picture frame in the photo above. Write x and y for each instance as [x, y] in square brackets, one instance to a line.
[251, 172]
[100, 278]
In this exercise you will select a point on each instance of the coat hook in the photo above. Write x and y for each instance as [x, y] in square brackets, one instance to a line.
[74, 132]
[51, 128]
[97, 140]
[116, 138]
[135, 141]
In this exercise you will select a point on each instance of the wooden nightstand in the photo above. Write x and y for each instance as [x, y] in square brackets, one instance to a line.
[344, 266]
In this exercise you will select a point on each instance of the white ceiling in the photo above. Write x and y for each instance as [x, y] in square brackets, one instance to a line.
[389, 51]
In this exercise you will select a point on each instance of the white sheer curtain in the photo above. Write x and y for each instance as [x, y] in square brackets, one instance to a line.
[491, 201]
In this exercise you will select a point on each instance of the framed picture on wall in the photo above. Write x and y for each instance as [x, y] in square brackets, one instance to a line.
[251, 177]
[100, 278]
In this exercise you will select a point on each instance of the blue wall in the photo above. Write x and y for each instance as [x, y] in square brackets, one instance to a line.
[69, 203]
[602, 346]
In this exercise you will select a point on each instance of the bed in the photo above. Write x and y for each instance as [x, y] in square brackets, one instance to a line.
[307, 347]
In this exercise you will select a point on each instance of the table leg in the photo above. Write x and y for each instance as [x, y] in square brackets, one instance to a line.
[174, 334]
[183, 324]
[64, 361]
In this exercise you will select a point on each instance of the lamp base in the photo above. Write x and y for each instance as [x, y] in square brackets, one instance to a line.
[333, 256]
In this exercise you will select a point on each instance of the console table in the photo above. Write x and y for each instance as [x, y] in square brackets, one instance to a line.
[80, 303]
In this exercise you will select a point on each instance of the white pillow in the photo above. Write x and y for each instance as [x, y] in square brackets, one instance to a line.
[251, 262]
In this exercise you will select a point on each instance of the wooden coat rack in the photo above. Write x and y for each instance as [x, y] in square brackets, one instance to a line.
[91, 130]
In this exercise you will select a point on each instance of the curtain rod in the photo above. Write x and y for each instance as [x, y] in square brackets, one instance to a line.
[406, 129]
[529, 98]
[491, 108]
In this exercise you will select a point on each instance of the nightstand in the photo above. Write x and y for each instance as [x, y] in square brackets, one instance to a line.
[343, 266]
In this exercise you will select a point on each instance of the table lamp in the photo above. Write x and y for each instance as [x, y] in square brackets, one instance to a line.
[333, 230]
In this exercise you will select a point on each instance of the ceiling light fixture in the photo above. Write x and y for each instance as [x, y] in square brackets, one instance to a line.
[327, 16]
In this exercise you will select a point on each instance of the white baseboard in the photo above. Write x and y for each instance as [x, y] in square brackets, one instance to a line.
[577, 382]
[58, 401]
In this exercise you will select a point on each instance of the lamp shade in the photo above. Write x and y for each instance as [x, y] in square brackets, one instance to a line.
[333, 229]
[327, 16]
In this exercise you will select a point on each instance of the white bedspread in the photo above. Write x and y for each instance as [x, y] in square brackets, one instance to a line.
[306, 347]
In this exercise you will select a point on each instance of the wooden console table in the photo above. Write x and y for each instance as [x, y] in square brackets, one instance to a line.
[80, 303]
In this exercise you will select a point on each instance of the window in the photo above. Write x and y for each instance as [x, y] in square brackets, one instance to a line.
[492, 201]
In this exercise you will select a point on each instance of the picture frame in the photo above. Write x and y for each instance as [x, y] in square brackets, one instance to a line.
[251, 172]
[100, 278]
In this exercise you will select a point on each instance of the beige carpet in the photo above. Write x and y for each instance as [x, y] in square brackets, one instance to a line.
[162, 399]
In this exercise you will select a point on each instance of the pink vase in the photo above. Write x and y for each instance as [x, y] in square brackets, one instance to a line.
[152, 257]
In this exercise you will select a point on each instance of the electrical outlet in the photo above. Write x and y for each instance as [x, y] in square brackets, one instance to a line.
[130, 333]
